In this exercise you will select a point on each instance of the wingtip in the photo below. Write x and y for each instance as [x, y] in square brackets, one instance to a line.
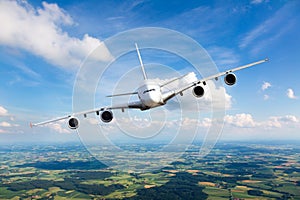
[32, 125]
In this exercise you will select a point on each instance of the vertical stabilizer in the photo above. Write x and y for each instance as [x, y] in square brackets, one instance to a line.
[141, 62]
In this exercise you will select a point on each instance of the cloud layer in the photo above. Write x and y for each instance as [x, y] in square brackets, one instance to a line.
[244, 120]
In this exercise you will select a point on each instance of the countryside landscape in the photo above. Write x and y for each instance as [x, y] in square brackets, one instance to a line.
[230, 171]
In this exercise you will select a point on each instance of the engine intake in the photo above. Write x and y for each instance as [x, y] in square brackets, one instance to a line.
[198, 91]
[106, 116]
[230, 79]
[73, 123]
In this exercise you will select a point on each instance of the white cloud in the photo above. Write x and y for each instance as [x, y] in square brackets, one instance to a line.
[39, 31]
[258, 1]
[240, 120]
[206, 123]
[266, 97]
[265, 86]
[92, 121]
[2, 131]
[272, 122]
[213, 95]
[281, 121]
[5, 124]
[289, 119]
[3, 111]
[244, 120]
[290, 94]
[58, 127]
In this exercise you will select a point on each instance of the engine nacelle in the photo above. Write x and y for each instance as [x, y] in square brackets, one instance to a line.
[73, 123]
[106, 116]
[230, 79]
[198, 91]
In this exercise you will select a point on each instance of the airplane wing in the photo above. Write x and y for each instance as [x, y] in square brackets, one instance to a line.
[124, 94]
[173, 80]
[216, 76]
[132, 105]
[49, 121]
[138, 104]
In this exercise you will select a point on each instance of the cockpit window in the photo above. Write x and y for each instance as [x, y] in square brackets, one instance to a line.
[148, 91]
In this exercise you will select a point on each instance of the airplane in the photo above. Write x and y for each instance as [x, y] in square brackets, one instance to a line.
[150, 95]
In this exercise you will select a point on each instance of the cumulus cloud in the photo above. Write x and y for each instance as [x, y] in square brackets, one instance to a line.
[265, 86]
[206, 123]
[272, 122]
[92, 121]
[240, 120]
[280, 121]
[57, 127]
[3, 111]
[266, 97]
[290, 94]
[5, 124]
[289, 119]
[244, 120]
[40, 32]
[213, 95]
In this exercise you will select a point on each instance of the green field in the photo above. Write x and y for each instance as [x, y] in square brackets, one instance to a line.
[245, 171]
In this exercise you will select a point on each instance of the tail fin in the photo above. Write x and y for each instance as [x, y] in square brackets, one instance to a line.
[141, 62]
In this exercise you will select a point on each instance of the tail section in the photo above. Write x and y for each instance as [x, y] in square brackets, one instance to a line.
[141, 62]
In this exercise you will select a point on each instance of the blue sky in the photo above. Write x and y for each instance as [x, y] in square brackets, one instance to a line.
[42, 45]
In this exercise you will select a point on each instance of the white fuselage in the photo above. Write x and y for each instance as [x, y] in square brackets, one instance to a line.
[150, 94]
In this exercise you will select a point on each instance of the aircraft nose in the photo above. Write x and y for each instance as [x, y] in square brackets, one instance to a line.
[155, 97]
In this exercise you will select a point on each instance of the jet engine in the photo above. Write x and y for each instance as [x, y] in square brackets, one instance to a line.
[230, 79]
[73, 123]
[198, 91]
[106, 116]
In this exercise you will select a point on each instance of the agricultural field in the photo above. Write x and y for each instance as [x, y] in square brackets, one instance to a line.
[230, 171]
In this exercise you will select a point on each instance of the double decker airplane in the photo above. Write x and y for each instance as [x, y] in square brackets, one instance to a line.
[150, 95]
